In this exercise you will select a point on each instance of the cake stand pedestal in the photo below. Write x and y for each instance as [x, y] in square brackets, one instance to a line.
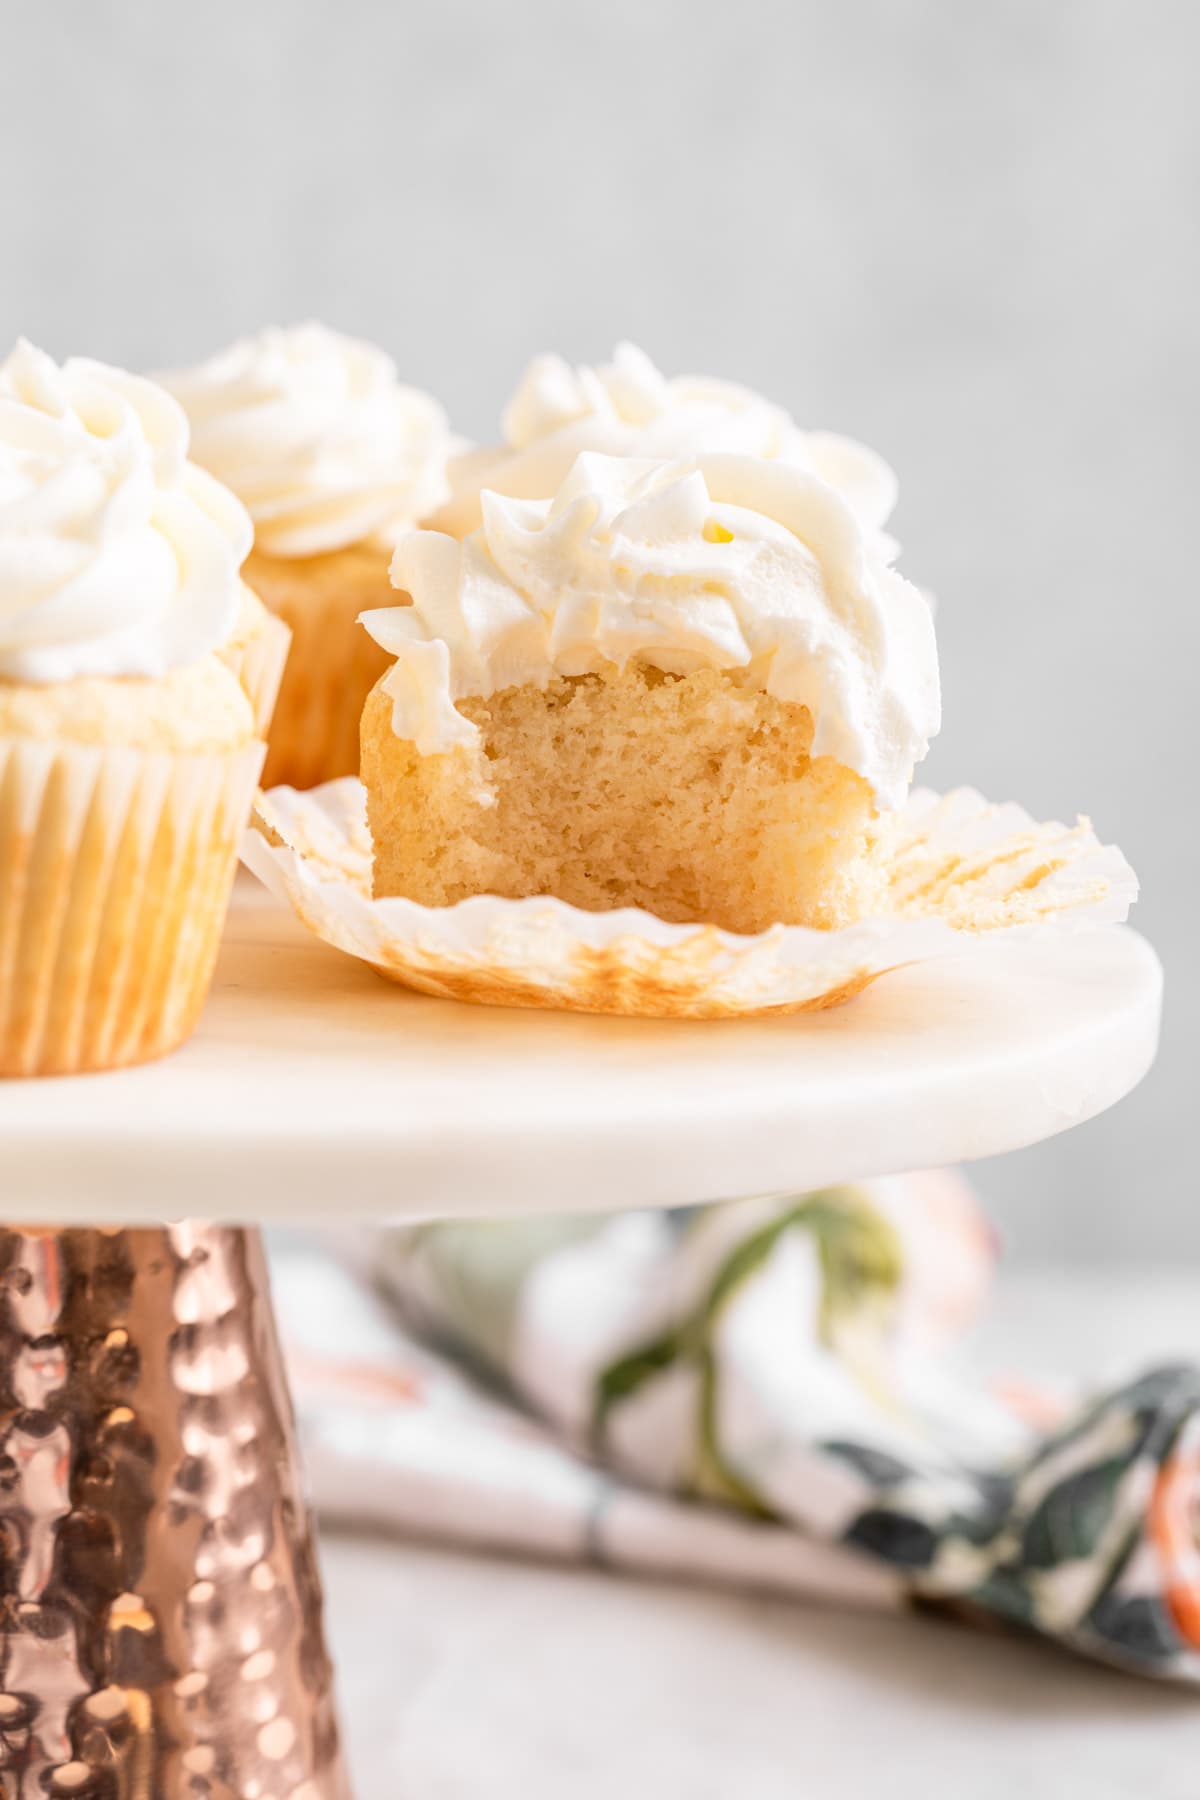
[160, 1611]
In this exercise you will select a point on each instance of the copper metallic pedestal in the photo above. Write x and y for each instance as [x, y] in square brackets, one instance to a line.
[161, 1604]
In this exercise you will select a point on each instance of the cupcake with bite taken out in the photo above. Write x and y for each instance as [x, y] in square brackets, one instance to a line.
[332, 456]
[128, 750]
[696, 688]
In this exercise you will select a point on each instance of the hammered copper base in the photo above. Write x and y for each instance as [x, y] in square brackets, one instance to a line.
[160, 1637]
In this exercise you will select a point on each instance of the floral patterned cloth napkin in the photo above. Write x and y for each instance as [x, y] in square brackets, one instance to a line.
[757, 1393]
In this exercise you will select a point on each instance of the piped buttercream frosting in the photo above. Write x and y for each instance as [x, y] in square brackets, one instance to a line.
[317, 436]
[118, 556]
[626, 407]
[722, 561]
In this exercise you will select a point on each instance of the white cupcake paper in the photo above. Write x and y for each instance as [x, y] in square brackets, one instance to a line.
[257, 660]
[965, 872]
[115, 870]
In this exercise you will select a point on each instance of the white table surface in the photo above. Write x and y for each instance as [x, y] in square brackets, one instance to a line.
[464, 1677]
[315, 1089]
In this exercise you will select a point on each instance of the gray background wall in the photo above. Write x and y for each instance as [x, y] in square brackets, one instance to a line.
[965, 230]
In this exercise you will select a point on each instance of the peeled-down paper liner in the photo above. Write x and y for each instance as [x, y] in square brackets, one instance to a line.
[964, 870]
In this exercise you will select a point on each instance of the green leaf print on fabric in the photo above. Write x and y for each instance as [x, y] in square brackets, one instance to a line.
[861, 1259]
[1003, 1592]
[626, 1376]
[861, 1266]
[475, 1271]
[1137, 1624]
[904, 1542]
[1072, 1519]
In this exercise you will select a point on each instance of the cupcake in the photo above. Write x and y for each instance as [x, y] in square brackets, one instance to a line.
[627, 408]
[695, 688]
[332, 457]
[128, 753]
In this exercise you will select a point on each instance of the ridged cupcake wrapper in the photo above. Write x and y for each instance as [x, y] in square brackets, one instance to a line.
[115, 870]
[331, 668]
[965, 873]
[258, 662]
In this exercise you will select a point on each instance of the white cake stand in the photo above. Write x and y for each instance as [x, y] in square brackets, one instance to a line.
[161, 1627]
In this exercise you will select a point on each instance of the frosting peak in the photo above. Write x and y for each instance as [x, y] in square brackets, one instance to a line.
[720, 562]
[628, 408]
[117, 555]
[313, 431]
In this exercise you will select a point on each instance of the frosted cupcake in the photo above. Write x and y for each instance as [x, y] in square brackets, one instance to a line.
[128, 753]
[627, 408]
[332, 456]
[695, 688]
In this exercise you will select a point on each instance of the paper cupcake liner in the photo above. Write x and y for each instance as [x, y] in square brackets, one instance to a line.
[115, 870]
[964, 871]
[331, 668]
[258, 662]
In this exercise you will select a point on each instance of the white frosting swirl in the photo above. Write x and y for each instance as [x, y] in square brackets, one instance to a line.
[316, 436]
[627, 408]
[117, 555]
[726, 562]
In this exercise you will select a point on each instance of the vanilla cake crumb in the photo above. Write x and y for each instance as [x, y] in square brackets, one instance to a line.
[693, 797]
